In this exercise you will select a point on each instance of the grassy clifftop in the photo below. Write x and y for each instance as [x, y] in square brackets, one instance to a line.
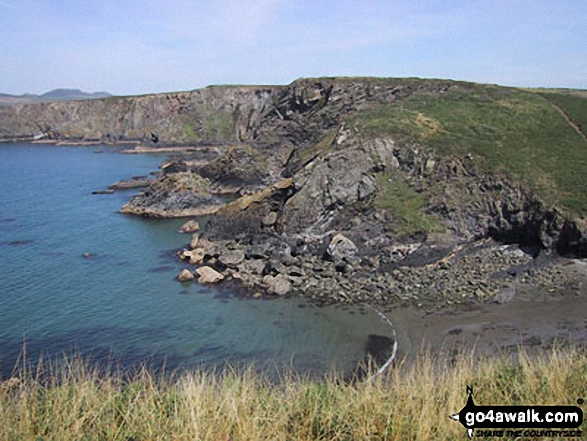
[505, 130]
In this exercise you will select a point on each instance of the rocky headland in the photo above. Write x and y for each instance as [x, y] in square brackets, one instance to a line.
[387, 192]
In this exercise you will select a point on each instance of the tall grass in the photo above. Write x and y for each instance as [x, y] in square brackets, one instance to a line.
[73, 401]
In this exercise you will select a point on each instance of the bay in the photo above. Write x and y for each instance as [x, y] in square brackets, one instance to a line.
[123, 304]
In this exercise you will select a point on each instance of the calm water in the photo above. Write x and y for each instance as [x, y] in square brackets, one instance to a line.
[123, 302]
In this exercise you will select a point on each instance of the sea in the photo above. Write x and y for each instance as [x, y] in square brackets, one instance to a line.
[123, 305]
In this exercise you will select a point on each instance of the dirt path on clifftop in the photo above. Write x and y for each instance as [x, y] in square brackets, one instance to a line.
[571, 123]
[537, 318]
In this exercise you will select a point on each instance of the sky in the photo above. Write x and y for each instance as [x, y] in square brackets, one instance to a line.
[129, 47]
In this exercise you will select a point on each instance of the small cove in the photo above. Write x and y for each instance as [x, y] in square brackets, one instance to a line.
[123, 303]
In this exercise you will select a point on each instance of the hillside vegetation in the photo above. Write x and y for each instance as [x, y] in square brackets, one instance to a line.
[506, 130]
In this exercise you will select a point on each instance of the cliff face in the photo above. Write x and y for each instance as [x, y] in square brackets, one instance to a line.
[471, 159]
[214, 114]
[399, 182]
[297, 115]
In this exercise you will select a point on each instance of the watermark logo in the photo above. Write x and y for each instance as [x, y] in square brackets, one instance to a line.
[510, 421]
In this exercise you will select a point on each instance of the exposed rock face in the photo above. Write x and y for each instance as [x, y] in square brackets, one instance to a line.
[306, 177]
[181, 194]
[213, 114]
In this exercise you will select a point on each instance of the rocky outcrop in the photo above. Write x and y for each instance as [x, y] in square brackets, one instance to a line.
[189, 227]
[183, 194]
[128, 184]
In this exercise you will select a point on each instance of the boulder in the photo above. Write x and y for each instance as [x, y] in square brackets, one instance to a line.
[341, 249]
[190, 227]
[232, 258]
[209, 275]
[253, 266]
[185, 276]
[279, 284]
[194, 241]
[194, 256]
[270, 219]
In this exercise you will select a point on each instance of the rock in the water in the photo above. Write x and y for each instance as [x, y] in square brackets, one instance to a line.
[341, 248]
[270, 219]
[278, 284]
[194, 256]
[86, 255]
[232, 258]
[209, 275]
[194, 241]
[253, 266]
[190, 227]
[185, 276]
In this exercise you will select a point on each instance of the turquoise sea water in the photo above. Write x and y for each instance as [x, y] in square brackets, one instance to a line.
[123, 302]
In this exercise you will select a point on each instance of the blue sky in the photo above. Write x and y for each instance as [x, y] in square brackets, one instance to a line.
[145, 46]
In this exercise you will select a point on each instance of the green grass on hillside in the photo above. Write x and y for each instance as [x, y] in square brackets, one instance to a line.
[410, 402]
[395, 194]
[506, 130]
[574, 106]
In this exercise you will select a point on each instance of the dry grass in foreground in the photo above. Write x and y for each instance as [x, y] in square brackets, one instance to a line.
[411, 402]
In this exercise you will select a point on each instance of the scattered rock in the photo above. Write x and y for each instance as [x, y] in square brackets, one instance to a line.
[190, 227]
[194, 241]
[231, 258]
[279, 284]
[208, 275]
[194, 257]
[185, 276]
[253, 266]
[103, 192]
[270, 219]
[341, 249]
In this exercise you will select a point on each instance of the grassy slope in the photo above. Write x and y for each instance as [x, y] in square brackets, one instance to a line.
[410, 403]
[574, 106]
[506, 130]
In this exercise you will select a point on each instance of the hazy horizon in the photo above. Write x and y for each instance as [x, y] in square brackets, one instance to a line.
[142, 47]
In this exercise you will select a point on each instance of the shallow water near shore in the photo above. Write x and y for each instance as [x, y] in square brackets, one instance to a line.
[122, 303]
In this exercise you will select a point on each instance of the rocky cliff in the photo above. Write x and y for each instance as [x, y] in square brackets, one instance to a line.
[391, 180]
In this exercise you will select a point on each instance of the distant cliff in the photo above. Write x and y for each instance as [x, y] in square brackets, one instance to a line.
[53, 95]
[210, 114]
